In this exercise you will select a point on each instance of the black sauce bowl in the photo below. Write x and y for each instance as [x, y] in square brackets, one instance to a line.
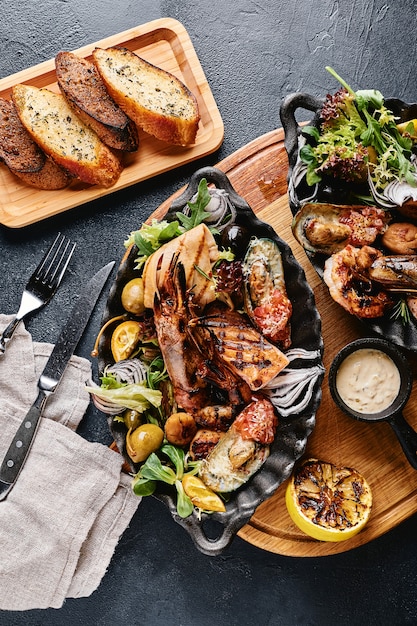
[406, 436]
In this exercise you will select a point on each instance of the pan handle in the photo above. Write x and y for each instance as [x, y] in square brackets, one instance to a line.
[212, 533]
[287, 113]
[406, 436]
[212, 175]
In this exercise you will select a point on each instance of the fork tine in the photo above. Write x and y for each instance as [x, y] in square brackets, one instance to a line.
[63, 264]
[59, 263]
[54, 263]
[37, 274]
[42, 284]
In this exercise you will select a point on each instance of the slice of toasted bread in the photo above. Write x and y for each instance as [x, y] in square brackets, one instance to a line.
[81, 84]
[23, 156]
[64, 137]
[156, 100]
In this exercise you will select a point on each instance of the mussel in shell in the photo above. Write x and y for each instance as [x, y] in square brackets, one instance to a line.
[265, 294]
[396, 271]
[232, 462]
[328, 228]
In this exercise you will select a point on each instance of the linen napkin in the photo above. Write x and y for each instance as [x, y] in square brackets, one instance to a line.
[61, 522]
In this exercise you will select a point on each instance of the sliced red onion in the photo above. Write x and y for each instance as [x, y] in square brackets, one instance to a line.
[395, 193]
[110, 408]
[129, 372]
[398, 193]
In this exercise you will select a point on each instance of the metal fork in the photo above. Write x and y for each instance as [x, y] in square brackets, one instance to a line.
[42, 285]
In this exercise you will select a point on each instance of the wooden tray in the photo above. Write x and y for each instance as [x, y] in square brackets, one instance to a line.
[258, 173]
[164, 43]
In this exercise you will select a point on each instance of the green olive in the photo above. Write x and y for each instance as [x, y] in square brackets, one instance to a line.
[142, 441]
[132, 419]
[132, 296]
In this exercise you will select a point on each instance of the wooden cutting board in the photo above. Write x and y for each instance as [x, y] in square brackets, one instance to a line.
[163, 42]
[258, 172]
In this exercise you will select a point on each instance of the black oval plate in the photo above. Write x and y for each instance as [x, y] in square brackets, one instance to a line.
[213, 533]
[404, 335]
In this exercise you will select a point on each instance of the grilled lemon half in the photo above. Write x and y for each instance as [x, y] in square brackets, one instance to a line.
[327, 502]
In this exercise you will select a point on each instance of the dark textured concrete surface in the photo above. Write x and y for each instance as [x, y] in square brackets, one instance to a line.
[253, 52]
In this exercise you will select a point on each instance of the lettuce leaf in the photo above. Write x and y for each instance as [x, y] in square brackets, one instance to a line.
[137, 396]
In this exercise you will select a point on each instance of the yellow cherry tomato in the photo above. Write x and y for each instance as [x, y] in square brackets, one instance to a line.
[132, 296]
[142, 441]
[124, 339]
[200, 495]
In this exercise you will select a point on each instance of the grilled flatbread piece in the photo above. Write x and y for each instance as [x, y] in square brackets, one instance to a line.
[85, 91]
[154, 99]
[54, 126]
[23, 156]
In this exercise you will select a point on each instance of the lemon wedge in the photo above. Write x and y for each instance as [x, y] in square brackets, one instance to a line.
[327, 502]
[202, 496]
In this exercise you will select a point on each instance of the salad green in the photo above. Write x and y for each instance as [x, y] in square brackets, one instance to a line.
[153, 470]
[358, 134]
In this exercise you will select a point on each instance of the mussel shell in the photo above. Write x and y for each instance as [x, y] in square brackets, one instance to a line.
[395, 271]
[266, 251]
[330, 234]
[218, 472]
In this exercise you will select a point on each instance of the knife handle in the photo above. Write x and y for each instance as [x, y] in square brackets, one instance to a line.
[19, 448]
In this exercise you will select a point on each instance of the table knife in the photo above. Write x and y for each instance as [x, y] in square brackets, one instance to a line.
[49, 379]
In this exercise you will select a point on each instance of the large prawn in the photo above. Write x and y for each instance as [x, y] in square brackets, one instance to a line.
[346, 274]
[172, 306]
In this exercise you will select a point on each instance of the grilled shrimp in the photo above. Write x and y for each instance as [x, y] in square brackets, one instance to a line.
[346, 273]
[215, 417]
[181, 356]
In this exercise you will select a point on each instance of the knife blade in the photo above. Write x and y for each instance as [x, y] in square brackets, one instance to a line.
[49, 379]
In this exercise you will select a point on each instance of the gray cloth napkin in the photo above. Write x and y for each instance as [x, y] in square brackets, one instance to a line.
[61, 522]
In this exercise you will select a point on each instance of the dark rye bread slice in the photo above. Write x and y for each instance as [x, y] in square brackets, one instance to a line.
[154, 99]
[72, 144]
[81, 84]
[23, 156]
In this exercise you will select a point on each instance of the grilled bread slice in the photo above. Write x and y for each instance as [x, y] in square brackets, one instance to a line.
[23, 156]
[81, 84]
[64, 137]
[156, 100]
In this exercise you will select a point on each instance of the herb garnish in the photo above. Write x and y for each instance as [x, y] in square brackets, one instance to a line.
[401, 312]
[150, 237]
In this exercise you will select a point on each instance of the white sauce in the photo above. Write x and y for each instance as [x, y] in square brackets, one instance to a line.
[368, 381]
